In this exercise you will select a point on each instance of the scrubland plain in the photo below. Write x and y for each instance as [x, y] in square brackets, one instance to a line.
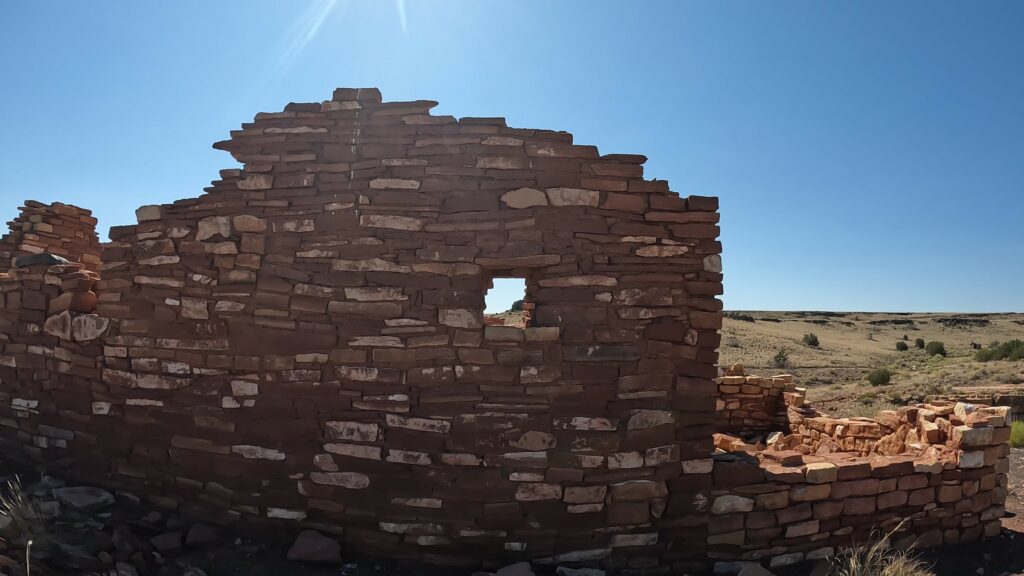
[850, 345]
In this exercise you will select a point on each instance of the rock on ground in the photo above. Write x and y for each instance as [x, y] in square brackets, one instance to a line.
[85, 498]
[755, 570]
[167, 542]
[517, 569]
[201, 535]
[312, 546]
[566, 571]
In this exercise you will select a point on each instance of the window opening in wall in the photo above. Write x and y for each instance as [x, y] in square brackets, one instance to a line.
[505, 303]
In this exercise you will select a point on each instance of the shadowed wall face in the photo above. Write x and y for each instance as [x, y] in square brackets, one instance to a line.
[306, 341]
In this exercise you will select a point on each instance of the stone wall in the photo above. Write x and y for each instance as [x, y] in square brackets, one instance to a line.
[61, 229]
[305, 343]
[987, 395]
[750, 404]
[940, 469]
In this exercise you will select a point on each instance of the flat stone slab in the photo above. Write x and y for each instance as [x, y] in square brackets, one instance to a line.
[84, 498]
[44, 258]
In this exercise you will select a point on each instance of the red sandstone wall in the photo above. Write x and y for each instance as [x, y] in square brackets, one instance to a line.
[939, 468]
[61, 229]
[751, 404]
[788, 507]
[305, 342]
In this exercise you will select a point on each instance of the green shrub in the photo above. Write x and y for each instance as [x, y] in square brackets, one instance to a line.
[811, 340]
[1017, 435]
[935, 347]
[902, 346]
[781, 359]
[879, 377]
[919, 343]
[1012, 350]
[517, 306]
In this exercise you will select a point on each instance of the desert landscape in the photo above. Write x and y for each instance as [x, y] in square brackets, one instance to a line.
[852, 344]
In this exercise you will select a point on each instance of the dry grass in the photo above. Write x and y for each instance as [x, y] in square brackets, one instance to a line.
[15, 504]
[26, 517]
[1017, 434]
[878, 559]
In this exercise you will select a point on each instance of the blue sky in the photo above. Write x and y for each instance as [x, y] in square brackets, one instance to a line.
[868, 155]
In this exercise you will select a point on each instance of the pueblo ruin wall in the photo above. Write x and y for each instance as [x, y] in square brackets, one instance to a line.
[305, 344]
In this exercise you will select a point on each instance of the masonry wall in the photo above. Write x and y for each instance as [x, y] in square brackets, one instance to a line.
[749, 404]
[933, 473]
[305, 343]
[61, 229]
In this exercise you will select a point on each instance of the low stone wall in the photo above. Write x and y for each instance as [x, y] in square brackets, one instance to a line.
[987, 395]
[750, 404]
[934, 473]
[809, 507]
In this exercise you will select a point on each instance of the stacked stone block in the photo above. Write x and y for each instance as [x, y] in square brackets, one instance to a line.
[987, 395]
[305, 343]
[752, 404]
[61, 229]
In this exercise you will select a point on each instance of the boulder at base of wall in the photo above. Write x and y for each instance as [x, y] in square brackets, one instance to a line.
[85, 498]
[312, 546]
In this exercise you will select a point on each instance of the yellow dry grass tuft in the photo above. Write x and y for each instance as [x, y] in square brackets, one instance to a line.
[878, 559]
[25, 517]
